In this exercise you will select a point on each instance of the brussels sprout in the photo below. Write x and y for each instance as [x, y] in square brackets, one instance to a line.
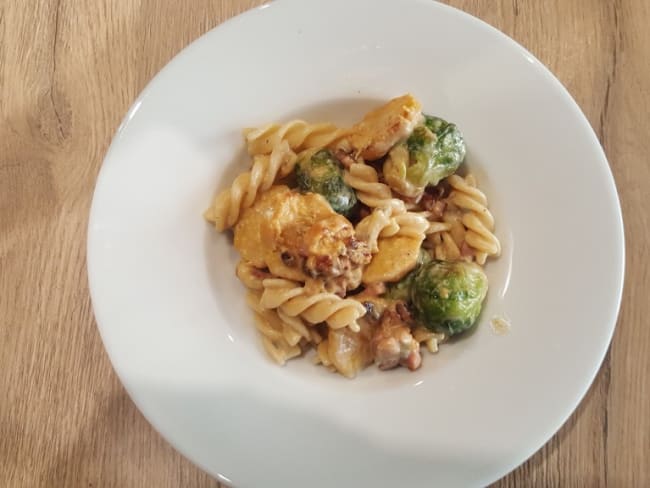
[447, 297]
[435, 151]
[435, 124]
[402, 289]
[321, 173]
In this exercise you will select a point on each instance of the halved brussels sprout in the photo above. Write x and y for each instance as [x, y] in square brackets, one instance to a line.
[432, 152]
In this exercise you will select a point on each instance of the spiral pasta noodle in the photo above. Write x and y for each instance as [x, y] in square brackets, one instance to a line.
[281, 338]
[476, 218]
[251, 276]
[411, 224]
[295, 301]
[364, 179]
[389, 222]
[444, 246]
[445, 238]
[299, 134]
[323, 356]
[229, 204]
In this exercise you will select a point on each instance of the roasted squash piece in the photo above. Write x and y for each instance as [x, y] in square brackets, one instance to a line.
[397, 256]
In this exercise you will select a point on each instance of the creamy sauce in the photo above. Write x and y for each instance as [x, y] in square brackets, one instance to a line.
[500, 325]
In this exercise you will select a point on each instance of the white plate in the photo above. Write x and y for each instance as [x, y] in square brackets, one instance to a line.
[172, 314]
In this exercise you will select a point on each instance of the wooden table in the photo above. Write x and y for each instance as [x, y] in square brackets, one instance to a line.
[68, 72]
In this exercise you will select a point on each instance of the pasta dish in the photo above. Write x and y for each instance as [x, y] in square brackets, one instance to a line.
[365, 244]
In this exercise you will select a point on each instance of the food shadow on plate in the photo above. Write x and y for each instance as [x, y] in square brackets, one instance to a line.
[255, 439]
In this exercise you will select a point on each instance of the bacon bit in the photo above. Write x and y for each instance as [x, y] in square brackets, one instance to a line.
[413, 361]
[434, 205]
[403, 312]
[344, 157]
[439, 191]
[343, 270]
[351, 243]
[358, 252]
[411, 201]
[465, 250]
[323, 264]
[438, 209]
[394, 345]
[363, 212]
[387, 353]
[427, 202]
[375, 289]
[260, 274]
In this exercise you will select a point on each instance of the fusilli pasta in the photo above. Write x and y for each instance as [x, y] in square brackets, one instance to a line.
[228, 205]
[295, 301]
[280, 338]
[364, 179]
[388, 222]
[299, 134]
[477, 218]
[251, 276]
[444, 246]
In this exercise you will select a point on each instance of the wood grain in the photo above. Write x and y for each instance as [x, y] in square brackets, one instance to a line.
[68, 72]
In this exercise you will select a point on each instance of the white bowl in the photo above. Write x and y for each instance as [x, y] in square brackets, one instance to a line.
[172, 314]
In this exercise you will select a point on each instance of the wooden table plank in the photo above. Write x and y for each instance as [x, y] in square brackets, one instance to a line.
[68, 72]
[627, 130]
